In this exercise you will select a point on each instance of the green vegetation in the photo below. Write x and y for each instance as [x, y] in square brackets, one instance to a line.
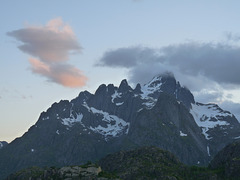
[143, 163]
[108, 175]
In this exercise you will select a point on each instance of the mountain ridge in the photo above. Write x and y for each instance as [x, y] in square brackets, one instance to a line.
[160, 113]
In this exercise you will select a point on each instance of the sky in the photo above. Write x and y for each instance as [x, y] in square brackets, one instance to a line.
[53, 50]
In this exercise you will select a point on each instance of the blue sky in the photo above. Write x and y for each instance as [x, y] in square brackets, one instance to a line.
[197, 40]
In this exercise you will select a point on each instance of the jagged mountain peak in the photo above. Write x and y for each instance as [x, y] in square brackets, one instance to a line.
[124, 87]
[82, 97]
[160, 113]
[160, 78]
[101, 89]
[167, 83]
[137, 89]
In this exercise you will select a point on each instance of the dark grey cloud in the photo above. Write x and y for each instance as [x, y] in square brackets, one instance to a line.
[127, 57]
[216, 63]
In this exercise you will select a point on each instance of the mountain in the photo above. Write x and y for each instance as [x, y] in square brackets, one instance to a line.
[160, 113]
[2, 144]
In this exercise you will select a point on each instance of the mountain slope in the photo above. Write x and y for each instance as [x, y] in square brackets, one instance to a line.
[151, 163]
[160, 113]
[219, 127]
[228, 160]
[170, 126]
[142, 163]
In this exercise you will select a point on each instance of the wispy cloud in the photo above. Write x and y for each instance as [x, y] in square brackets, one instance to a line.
[51, 46]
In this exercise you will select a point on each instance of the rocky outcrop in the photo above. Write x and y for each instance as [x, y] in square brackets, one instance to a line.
[86, 172]
[76, 171]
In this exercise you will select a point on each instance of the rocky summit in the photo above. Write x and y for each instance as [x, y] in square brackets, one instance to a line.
[160, 113]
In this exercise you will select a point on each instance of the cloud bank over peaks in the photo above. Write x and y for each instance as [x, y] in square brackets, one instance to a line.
[199, 66]
[215, 62]
[51, 45]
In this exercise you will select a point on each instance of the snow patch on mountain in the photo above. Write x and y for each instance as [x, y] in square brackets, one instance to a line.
[45, 118]
[153, 86]
[207, 116]
[1, 145]
[182, 134]
[150, 103]
[119, 104]
[237, 137]
[148, 89]
[115, 125]
[208, 151]
[72, 120]
[116, 95]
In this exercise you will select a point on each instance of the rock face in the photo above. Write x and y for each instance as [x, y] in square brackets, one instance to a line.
[160, 113]
[169, 125]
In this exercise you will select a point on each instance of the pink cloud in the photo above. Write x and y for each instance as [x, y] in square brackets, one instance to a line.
[39, 67]
[52, 45]
[63, 74]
